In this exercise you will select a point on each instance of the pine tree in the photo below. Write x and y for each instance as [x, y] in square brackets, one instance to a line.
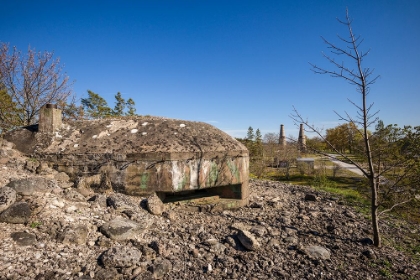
[96, 106]
[119, 105]
[250, 134]
[131, 106]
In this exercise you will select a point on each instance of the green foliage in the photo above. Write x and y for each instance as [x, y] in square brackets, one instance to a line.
[345, 137]
[322, 181]
[35, 224]
[131, 106]
[250, 134]
[119, 105]
[95, 106]
[9, 112]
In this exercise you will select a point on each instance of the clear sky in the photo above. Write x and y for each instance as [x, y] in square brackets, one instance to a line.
[233, 64]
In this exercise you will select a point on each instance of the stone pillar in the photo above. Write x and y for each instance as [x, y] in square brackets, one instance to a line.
[282, 138]
[49, 119]
[302, 139]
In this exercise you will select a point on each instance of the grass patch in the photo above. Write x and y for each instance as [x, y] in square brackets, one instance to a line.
[35, 224]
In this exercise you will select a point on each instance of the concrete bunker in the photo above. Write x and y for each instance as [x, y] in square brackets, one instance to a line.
[140, 155]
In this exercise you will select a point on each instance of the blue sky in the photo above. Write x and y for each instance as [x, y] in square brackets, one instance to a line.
[233, 64]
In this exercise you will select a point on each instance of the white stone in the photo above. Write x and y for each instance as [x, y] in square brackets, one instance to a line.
[76, 145]
[134, 130]
[182, 125]
[94, 136]
[145, 123]
[71, 209]
[144, 133]
[58, 203]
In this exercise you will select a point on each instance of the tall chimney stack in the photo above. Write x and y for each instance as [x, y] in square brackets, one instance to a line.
[302, 139]
[49, 119]
[282, 138]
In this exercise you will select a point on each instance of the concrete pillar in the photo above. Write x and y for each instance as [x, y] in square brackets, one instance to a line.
[282, 138]
[302, 139]
[49, 119]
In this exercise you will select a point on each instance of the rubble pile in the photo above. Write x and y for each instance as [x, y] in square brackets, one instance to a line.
[51, 229]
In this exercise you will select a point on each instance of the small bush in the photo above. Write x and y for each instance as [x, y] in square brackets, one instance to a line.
[322, 181]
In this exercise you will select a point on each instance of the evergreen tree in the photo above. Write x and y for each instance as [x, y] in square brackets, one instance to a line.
[119, 105]
[9, 112]
[131, 106]
[258, 136]
[96, 106]
[250, 134]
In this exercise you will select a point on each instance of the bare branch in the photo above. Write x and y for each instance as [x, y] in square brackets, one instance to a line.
[393, 206]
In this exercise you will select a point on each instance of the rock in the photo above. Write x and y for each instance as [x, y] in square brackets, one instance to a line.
[61, 177]
[366, 241]
[317, 252]
[160, 268]
[32, 165]
[256, 204]
[71, 209]
[349, 214]
[17, 213]
[291, 240]
[73, 195]
[23, 238]
[100, 199]
[171, 215]
[56, 202]
[29, 185]
[108, 274]
[158, 247]
[259, 231]
[44, 169]
[218, 248]
[370, 254]
[122, 229]
[310, 197]
[155, 205]
[74, 234]
[120, 257]
[240, 226]
[248, 240]
[7, 198]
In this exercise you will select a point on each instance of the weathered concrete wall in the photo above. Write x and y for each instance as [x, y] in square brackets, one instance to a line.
[144, 154]
[142, 176]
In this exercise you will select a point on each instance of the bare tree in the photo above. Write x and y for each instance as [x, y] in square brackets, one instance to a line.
[32, 81]
[362, 78]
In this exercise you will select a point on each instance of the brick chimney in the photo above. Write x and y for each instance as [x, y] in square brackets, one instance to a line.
[49, 118]
[302, 139]
[282, 138]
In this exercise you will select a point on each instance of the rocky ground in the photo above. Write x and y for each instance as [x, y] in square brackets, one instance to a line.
[51, 229]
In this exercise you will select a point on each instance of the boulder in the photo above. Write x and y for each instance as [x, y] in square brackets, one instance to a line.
[310, 197]
[161, 267]
[155, 205]
[61, 177]
[23, 238]
[120, 257]
[74, 234]
[17, 213]
[7, 198]
[28, 186]
[122, 229]
[248, 240]
[317, 252]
